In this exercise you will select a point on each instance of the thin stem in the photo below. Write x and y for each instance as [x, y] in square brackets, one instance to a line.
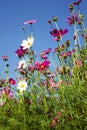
[31, 29]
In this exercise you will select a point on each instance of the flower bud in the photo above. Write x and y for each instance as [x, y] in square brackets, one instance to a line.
[71, 6]
[55, 19]
[49, 21]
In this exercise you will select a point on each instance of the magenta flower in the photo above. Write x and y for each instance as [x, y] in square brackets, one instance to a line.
[77, 2]
[44, 54]
[66, 54]
[12, 81]
[47, 51]
[20, 52]
[58, 33]
[30, 22]
[73, 19]
[42, 65]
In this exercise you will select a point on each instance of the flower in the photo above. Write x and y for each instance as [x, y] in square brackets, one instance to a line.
[31, 68]
[27, 43]
[21, 64]
[78, 62]
[30, 22]
[42, 65]
[5, 58]
[44, 53]
[47, 51]
[19, 52]
[22, 85]
[77, 2]
[73, 19]
[55, 19]
[12, 81]
[58, 33]
[71, 6]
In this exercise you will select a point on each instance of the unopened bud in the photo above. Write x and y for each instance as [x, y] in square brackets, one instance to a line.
[71, 6]
[55, 19]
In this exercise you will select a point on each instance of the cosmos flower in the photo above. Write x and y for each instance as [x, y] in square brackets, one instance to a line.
[47, 51]
[58, 33]
[19, 52]
[31, 68]
[78, 62]
[27, 43]
[42, 65]
[7, 91]
[77, 2]
[22, 64]
[22, 85]
[44, 53]
[30, 22]
[12, 81]
[73, 19]
[5, 58]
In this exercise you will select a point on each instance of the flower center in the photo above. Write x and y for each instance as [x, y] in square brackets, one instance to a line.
[29, 44]
[22, 86]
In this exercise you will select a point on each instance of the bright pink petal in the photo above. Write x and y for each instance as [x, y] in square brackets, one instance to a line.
[64, 31]
[30, 22]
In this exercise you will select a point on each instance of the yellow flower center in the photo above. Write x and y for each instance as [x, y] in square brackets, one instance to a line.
[22, 86]
[29, 44]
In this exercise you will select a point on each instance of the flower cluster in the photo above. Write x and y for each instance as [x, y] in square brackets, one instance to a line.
[48, 94]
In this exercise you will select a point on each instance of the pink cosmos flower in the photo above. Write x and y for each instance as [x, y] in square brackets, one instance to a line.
[58, 33]
[78, 62]
[5, 58]
[12, 81]
[47, 51]
[30, 22]
[20, 52]
[73, 19]
[66, 54]
[77, 2]
[8, 92]
[31, 68]
[42, 65]
[44, 54]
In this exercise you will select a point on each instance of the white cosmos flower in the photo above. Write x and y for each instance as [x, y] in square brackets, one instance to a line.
[22, 85]
[22, 64]
[27, 43]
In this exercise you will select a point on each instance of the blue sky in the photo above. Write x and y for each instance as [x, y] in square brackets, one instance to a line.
[13, 13]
